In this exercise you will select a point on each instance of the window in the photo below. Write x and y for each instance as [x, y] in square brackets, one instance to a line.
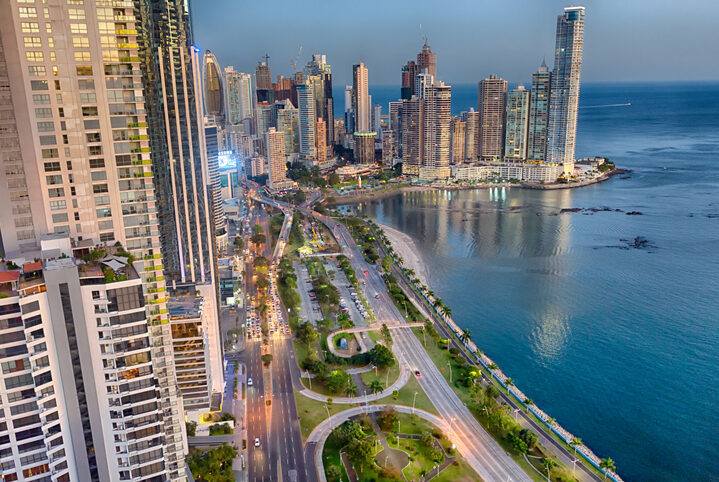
[55, 179]
[99, 176]
[93, 137]
[82, 56]
[102, 200]
[27, 12]
[88, 97]
[99, 188]
[97, 163]
[46, 126]
[94, 150]
[34, 56]
[37, 70]
[104, 213]
[56, 192]
[76, 14]
[38, 85]
[50, 154]
[58, 205]
[89, 111]
[32, 42]
[43, 112]
[30, 27]
[92, 124]
[59, 218]
[107, 237]
[52, 166]
[48, 140]
[104, 225]
[86, 84]
[79, 28]
[39, 99]
[83, 70]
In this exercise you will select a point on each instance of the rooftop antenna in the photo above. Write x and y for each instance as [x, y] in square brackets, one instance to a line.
[294, 61]
[267, 59]
[421, 33]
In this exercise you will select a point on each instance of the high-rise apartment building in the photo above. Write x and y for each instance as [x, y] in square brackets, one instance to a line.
[459, 138]
[539, 114]
[321, 139]
[491, 105]
[84, 158]
[213, 181]
[232, 96]
[564, 99]
[213, 88]
[324, 102]
[472, 133]
[364, 147]
[263, 83]
[276, 157]
[395, 124]
[360, 98]
[436, 136]
[412, 135]
[288, 122]
[349, 113]
[515, 142]
[376, 124]
[427, 60]
[409, 72]
[423, 81]
[389, 147]
[308, 121]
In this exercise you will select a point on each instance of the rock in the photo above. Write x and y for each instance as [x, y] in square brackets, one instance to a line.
[634, 213]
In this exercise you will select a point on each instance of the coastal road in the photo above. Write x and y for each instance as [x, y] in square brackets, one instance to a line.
[261, 466]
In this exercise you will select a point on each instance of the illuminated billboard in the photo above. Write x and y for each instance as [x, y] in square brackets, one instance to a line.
[226, 160]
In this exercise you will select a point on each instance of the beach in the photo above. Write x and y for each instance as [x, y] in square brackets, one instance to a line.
[406, 248]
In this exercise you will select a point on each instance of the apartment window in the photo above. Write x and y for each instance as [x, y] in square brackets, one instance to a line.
[40, 99]
[15, 366]
[69, 165]
[99, 188]
[76, 216]
[99, 176]
[104, 224]
[89, 111]
[82, 56]
[91, 124]
[56, 192]
[104, 213]
[43, 112]
[78, 28]
[51, 42]
[97, 163]
[93, 137]
[37, 70]
[18, 381]
[61, 113]
[27, 12]
[83, 70]
[46, 126]
[59, 218]
[58, 205]
[31, 42]
[34, 56]
[58, 98]
[102, 200]
[30, 27]
[94, 150]
[38, 85]
[88, 97]
[50, 154]
[48, 140]
[86, 84]
[76, 14]
[52, 166]
[107, 237]
[52, 180]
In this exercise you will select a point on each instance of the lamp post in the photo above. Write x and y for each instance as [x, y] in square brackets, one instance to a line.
[329, 417]
[449, 364]
[515, 414]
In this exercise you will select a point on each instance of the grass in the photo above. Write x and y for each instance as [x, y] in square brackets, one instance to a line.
[420, 459]
[405, 396]
[368, 377]
[458, 471]
[331, 456]
[311, 412]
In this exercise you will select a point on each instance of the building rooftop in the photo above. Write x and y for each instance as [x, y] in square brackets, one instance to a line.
[185, 307]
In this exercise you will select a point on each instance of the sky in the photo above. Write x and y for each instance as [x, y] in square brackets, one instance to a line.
[625, 40]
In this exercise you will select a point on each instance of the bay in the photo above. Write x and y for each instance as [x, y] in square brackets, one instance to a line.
[618, 343]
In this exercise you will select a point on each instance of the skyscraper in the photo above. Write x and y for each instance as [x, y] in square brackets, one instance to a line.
[515, 143]
[427, 60]
[213, 87]
[349, 113]
[263, 83]
[360, 98]
[79, 150]
[288, 122]
[491, 102]
[377, 119]
[321, 139]
[409, 72]
[324, 103]
[472, 133]
[459, 135]
[395, 124]
[564, 99]
[539, 114]
[436, 126]
[412, 135]
[232, 96]
[389, 147]
[308, 121]
[423, 81]
[276, 157]
[213, 180]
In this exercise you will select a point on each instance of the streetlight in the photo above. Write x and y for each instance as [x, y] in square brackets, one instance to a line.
[515, 414]
[329, 417]
[387, 382]
[574, 466]
[309, 378]
[413, 400]
[449, 364]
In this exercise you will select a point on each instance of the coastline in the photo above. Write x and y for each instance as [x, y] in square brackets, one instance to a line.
[383, 193]
[407, 249]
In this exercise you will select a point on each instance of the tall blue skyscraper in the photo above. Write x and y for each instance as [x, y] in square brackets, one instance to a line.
[539, 114]
[564, 98]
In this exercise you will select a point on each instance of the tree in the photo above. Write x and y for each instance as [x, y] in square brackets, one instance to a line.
[351, 388]
[347, 432]
[509, 382]
[466, 336]
[238, 243]
[447, 310]
[528, 437]
[549, 464]
[267, 359]
[334, 472]
[576, 442]
[260, 262]
[337, 381]
[608, 466]
[528, 401]
[212, 465]
[258, 239]
[386, 334]
[190, 428]
[334, 179]
[492, 392]
[306, 333]
[258, 229]
[387, 418]
[375, 386]
[360, 452]
[427, 439]
[381, 356]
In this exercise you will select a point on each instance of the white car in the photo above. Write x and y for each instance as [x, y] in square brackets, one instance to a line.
[249, 382]
[257, 442]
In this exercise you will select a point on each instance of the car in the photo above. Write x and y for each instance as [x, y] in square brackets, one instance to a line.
[417, 373]
[257, 442]
[249, 382]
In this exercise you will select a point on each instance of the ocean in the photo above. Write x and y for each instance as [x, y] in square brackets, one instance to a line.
[608, 321]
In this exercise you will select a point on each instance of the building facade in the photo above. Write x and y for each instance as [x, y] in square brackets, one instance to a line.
[321, 138]
[213, 88]
[308, 121]
[564, 99]
[472, 134]
[539, 114]
[459, 139]
[491, 102]
[324, 102]
[515, 141]
[360, 98]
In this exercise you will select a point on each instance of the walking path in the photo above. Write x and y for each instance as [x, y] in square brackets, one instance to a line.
[359, 329]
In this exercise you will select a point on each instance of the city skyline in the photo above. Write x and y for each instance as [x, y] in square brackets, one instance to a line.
[622, 44]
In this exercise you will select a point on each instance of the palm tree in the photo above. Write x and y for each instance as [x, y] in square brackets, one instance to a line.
[447, 311]
[430, 293]
[493, 366]
[576, 442]
[351, 389]
[528, 401]
[509, 382]
[608, 466]
[375, 386]
[549, 464]
[466, 336]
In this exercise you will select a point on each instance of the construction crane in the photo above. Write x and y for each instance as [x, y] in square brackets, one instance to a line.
[294, 61]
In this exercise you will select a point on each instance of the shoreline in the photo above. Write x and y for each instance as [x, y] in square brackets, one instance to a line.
[407, 249]
[383, 193]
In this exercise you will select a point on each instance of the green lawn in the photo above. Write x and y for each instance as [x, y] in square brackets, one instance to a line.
[331, 456]
[405, 396]
[368, 377]
[311, 412]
